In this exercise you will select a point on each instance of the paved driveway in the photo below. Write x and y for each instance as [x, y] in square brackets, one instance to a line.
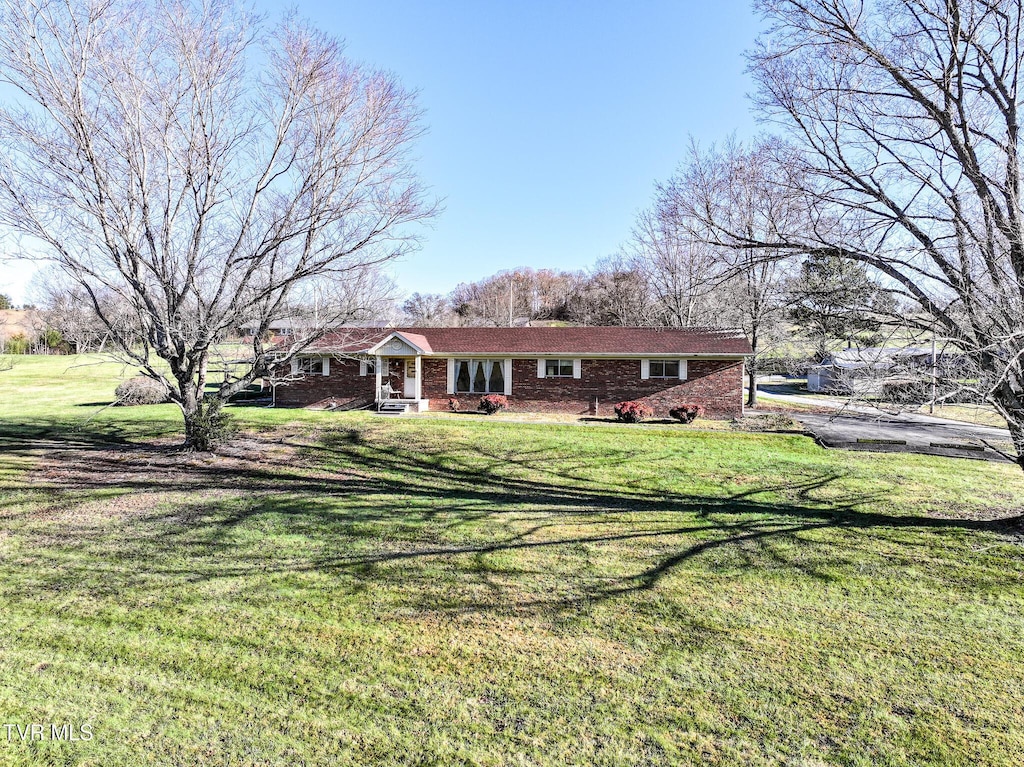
[907, 433]
[865, 428]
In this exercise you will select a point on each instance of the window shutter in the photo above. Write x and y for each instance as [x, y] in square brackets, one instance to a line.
[577, 368]
[540, 369]
[645, 369]
[508, 376]
[327, 366]
[362, 367]
[682, 370]
[451, 377]
[295, 366]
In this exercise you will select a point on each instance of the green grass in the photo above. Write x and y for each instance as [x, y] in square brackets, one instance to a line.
[348, 589]
[984, 415]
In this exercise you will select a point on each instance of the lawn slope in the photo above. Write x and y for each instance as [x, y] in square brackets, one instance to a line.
[343, 588]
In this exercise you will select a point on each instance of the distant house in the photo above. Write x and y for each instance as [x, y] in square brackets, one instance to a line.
[294, 326]
[866, 371]
[568, 369]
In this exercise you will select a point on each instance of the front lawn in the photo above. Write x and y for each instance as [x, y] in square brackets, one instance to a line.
[353, 589]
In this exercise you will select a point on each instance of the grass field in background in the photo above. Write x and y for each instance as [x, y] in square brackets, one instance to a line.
[343, 588]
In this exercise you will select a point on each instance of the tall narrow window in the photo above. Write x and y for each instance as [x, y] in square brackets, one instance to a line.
[479, 376]
[496, 380]
[462, 379]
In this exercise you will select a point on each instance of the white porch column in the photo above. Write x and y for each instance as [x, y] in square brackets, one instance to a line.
[419, 377]
[376, 371]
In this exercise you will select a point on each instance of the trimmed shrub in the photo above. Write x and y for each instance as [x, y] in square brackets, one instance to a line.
[492, 403]
[209, 428]
[686, 412]
[453, 405]
[632, 412]
[140, 391]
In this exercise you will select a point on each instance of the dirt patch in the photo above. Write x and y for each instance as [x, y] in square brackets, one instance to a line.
[1012, 515]
[771, 422]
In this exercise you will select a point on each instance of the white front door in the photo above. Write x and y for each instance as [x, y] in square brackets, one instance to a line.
[410, 379]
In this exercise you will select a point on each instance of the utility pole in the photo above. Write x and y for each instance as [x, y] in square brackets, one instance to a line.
[935, 375]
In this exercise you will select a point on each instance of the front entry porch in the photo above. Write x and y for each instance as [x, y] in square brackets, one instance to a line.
[399, 384]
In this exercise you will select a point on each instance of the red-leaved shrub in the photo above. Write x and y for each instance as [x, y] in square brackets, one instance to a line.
[492, 403]
[686, 412]
[632, 412]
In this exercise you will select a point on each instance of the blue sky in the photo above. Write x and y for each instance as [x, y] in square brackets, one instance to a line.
[548, 122]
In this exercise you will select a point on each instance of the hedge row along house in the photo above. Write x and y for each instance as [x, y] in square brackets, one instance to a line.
[568, 370]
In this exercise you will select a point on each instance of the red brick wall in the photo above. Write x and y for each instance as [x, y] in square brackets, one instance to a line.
[435, 382]
[344, 385]
[715, 384]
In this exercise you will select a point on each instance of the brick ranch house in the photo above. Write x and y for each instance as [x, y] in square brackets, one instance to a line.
[568, 370]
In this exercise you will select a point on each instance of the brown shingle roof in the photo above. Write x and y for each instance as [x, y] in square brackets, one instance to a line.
[574, 341]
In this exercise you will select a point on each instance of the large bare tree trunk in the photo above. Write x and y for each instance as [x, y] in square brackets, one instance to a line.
[1017, 435]
[1008, 399]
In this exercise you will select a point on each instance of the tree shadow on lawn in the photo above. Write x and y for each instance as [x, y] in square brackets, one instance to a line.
[31, 436]
[397, 516]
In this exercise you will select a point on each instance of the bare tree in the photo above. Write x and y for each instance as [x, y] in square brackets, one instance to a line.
[66, 307]
[427, 310]
[734, 187]
[203, 169]
[615, 293]
[903, 118]
[679, 266]
[515, 297]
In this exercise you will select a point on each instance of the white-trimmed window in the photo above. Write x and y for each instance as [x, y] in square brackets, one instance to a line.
[558, 368]
[479, 376]
[368, 367]
[311, 366]
[665, 369]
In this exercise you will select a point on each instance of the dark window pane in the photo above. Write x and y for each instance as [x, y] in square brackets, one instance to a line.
[479, 377]
[311, 366]
[558, 368]
[672, 369]
[462, 376]
[657, 369]
[496, 382]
